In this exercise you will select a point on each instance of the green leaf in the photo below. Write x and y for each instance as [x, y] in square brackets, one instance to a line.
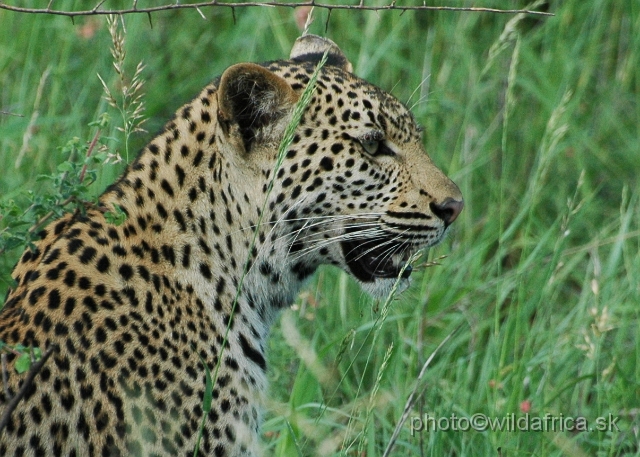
[115, 217]
[102, 121]
[66, 167]
[23, 363]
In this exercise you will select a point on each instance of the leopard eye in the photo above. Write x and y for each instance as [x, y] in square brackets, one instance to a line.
[376, 148]
[371, 147]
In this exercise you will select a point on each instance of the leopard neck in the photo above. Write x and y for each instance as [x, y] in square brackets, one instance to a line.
[191, 206]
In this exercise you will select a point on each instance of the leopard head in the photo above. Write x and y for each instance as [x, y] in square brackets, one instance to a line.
[356, 188]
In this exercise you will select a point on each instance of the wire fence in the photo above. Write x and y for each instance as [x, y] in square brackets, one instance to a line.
[103, 7]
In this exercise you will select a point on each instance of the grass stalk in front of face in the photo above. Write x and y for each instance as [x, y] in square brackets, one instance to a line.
[289, 132]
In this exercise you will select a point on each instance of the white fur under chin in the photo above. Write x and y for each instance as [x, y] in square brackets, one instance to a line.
[381, 287]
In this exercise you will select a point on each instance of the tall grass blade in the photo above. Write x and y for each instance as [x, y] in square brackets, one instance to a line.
[413, 397]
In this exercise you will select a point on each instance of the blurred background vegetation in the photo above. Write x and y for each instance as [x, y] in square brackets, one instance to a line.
[537, 120]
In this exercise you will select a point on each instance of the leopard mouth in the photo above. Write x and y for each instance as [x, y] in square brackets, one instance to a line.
[379, 257]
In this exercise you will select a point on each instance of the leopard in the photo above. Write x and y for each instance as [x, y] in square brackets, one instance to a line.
[143, 318]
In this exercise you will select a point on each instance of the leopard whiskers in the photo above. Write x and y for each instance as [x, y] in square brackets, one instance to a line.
[309, 222]
[316, 228]
[325, 241]
[371, 233]
[315, 233]
[395, 244]
[320, 220]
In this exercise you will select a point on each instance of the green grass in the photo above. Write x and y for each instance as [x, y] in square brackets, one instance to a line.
[539, 290]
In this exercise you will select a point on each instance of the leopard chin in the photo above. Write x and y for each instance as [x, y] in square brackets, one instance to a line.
[381, 288]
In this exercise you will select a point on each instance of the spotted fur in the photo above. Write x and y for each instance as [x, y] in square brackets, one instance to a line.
[134, 310]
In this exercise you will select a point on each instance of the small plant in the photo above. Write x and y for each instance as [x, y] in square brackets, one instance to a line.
[71, 190]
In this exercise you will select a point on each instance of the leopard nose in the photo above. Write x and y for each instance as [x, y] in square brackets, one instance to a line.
[448, 210]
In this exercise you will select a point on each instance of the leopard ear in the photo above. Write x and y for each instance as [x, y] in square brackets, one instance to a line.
[253, 99]
[311, 48]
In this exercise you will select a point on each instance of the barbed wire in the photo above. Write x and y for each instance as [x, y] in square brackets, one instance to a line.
[392, 6]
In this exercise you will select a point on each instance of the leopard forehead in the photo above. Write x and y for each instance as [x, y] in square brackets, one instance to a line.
[350, 103]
